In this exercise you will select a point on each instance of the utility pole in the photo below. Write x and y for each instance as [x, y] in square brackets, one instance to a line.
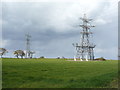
[84, 49]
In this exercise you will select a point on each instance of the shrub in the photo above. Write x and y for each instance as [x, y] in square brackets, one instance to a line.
[100, 59]
[58, 57]
[42, 57]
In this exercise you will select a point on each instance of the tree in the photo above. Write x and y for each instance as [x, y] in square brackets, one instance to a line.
[3, 51]
[30, 54]
[18, 53]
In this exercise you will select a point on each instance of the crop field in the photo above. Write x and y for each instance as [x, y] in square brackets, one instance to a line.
[58, 73]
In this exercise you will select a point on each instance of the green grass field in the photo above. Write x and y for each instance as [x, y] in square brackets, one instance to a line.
[59, 73]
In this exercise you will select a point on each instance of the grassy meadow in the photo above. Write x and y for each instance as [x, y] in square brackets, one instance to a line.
[58, 73]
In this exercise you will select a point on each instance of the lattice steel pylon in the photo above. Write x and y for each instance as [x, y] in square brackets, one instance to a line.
[27, 55]
[84, 49]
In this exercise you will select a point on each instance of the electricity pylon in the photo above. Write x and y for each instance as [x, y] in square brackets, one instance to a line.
[84, 49]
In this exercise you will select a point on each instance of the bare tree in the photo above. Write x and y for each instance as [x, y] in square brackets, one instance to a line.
[18, 53]
[3, 51]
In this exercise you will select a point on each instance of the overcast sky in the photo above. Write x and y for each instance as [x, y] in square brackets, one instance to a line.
[54, 26]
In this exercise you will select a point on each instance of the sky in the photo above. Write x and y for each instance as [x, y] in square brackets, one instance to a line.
[53, 26]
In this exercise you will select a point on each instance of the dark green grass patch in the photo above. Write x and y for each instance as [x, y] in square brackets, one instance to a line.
[58, 73]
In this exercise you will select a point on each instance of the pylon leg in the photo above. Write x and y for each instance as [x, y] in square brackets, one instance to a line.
[86, 58]
[74, 58]
[81, 59]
